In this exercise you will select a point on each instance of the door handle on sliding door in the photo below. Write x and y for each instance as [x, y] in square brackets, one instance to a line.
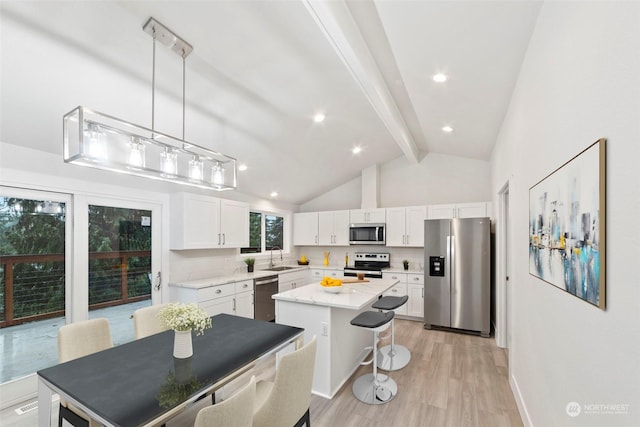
[158, 281]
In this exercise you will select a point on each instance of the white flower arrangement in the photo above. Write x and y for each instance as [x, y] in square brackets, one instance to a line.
[184, 317]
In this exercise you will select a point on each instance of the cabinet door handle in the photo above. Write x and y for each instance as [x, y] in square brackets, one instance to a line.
[407, 242]
[218, 239]
[234, 304]
[245, 286]
[394, 290]
[218, 291]
[224, 239]
[422, 292]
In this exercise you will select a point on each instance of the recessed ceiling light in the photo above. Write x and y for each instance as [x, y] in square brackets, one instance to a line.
[318, 118]
[274, 194]
[447, 129]
[242, 167]
[356, 150]
[440, 78]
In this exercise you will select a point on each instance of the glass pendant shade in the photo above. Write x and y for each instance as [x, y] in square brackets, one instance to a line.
[105, 142]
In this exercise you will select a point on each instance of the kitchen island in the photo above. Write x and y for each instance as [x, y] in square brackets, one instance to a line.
[328, 316]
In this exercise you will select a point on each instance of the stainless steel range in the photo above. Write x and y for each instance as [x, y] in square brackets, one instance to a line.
[369, 263]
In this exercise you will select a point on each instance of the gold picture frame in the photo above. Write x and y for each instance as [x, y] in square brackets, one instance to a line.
[567, 219]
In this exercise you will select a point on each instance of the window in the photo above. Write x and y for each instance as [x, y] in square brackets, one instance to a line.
[266, 231]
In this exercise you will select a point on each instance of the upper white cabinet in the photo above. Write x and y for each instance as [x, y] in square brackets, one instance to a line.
[367, 215]
[305, 229]
[234, 224]
[333, 228]
[460, 210]
[405, 226]
[201, 222]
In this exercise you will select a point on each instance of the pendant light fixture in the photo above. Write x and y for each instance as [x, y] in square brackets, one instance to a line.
[101, 141]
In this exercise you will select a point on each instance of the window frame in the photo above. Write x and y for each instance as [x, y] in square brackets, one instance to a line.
[286, 233]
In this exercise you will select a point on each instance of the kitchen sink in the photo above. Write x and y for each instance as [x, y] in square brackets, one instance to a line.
[280, 268]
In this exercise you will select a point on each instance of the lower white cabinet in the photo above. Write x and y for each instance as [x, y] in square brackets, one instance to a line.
[244, 299]
[415, 286]
[288, 281]
[319, 273]
[229, 298]
[398, 290]
[411, 284]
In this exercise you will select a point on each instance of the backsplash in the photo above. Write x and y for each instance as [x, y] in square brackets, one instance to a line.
[315, 254]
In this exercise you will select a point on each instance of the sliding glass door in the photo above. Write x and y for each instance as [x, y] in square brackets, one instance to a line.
[120, 260]
[35, 243]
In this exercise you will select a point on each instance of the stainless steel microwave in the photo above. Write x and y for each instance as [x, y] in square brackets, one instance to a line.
[367, 234]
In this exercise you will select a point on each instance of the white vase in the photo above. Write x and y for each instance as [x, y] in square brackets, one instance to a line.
[182, 347]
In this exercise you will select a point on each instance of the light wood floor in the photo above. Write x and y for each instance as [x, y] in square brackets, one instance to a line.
[452, 380]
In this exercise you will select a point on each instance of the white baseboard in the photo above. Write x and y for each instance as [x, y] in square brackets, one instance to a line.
[522, 407]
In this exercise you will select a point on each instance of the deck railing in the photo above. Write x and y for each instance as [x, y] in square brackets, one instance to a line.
[33, 286]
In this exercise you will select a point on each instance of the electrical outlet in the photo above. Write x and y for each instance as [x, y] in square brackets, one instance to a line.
[325, 329]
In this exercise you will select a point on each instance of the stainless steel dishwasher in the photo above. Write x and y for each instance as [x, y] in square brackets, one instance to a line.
[265, 306]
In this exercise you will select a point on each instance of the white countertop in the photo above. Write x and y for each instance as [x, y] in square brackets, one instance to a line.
[354, 296]
[238, 277]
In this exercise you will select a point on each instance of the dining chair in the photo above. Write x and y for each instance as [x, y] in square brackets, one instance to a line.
[232, 412]
[146, 321]
[285, 401]
[77, 340]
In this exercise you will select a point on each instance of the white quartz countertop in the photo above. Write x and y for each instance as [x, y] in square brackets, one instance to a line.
[354, 296]
[231, 278]
[222, 280]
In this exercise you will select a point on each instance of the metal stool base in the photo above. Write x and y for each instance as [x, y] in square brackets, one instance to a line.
[393, 362]
[366, 390]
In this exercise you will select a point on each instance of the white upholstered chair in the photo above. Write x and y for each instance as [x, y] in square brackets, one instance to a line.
[77, 340]
[232, 412]
[285, 401]
[146, 321]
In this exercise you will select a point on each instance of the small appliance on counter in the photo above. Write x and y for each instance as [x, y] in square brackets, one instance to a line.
[368, 263]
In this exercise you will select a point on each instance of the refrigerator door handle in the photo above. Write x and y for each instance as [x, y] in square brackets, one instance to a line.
[452, 266]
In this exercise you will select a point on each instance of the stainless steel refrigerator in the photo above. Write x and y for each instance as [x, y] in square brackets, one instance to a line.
[457, 274]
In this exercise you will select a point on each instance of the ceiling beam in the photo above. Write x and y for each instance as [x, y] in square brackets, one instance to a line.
[337, 24]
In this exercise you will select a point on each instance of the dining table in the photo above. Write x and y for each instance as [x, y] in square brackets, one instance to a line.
[140, 383]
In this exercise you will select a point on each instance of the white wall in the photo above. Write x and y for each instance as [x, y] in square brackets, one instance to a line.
[438, 178]
[580, 81]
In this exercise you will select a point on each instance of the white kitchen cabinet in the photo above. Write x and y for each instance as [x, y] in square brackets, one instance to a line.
[319, 273]
[293, 279]
[194, 221]
[218, 306]
[244, 301]
[415, 287]
[398, 290]
[460, 210]
[202, 222]
[405, 226]
[305, 229]
[359, 216]
[333, 228]
[228, 298]
[234, 224]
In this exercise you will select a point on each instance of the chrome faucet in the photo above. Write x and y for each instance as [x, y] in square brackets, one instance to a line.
[271, 260]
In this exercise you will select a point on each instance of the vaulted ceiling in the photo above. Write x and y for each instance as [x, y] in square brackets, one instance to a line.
[260, 71]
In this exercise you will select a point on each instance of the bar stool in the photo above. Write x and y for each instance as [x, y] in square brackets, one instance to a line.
[394, 356]
[374, 388]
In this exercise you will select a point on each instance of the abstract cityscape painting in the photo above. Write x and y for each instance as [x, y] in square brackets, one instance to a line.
[567, 226]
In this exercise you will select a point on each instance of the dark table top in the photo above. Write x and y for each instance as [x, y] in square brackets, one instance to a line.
[135, 383]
